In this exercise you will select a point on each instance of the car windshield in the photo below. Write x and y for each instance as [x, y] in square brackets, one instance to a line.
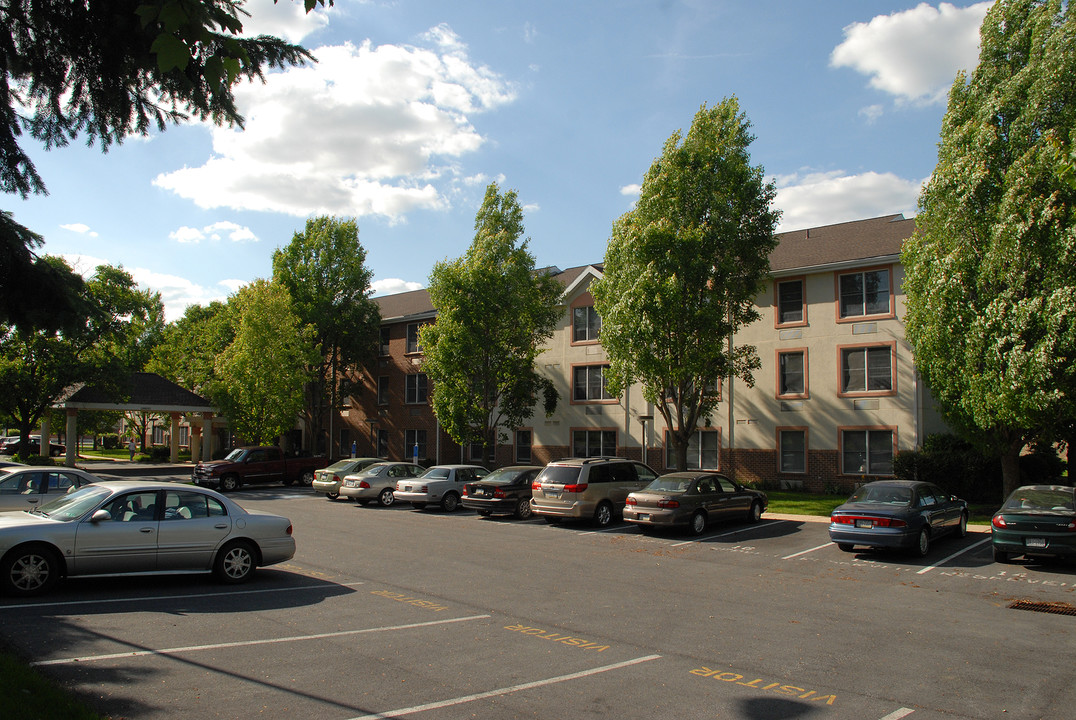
[73, 505]
[559, 474]
[882, 495]
[341, 465]
[437, 473]
[235, 455]
[1056, 499]
[669, 485]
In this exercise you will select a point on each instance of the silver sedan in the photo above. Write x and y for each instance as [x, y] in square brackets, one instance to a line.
[135, 527]
[23, 486]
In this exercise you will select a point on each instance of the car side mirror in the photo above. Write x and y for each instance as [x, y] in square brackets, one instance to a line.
[100, 516]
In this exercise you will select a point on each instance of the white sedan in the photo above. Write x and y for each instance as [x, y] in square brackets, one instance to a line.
[137, 527]
[24, 486]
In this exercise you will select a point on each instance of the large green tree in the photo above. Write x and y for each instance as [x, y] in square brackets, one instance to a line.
[188, 350]
[107, 71]
[682, 270]
[991, 269]
[260, 375]
[494, 312]
[324, 270]
[37, 365]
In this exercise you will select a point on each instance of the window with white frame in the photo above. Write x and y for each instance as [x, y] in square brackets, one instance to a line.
[381, 440]
[588, 383]
[867, 452]
[415, 388]
[586, 324]
[789, 302]
[184, 435]
[792, 450]
[593, 443]
[413, 345]
[864, 293]
[703, 451]
[867, 369]
[383, 347]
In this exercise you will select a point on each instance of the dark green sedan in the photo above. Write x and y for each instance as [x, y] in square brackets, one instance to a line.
[1035, 521]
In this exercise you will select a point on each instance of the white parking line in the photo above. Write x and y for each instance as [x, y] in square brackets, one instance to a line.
[958, 553]
[249, 643]
[732, 532]
[69, 603]
[804, 552]
[898, 714]
[504, 691]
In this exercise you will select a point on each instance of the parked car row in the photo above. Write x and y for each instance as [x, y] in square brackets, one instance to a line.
[13, 446]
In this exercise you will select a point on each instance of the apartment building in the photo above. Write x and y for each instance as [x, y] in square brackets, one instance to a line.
[836, 397]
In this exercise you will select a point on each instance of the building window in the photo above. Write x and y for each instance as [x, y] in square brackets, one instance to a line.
[703, 451]
[867, 452]
[790, 302]
[381, 441]
[412, 438]
[867, 369]
[586, 324]
[523, 447]
[413, 345]
[864, 293]
[476, 452]
[792, 450]
[384, 346]
[184, 436]
[383, 390]
[158, 435]
[593, 443]
[588, 383]
[415, 388]
[792, 373]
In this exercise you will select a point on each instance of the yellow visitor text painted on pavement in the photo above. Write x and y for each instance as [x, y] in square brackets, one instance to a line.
[760, 684]
[557, 637]
[401, 597]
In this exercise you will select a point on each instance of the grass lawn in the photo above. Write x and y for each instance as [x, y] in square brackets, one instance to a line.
[802, 503]
[27, 695]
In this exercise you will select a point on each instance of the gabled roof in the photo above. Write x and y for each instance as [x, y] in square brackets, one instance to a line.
[851, 242]
[142, 391]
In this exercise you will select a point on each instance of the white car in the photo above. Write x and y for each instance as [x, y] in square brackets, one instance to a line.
[137, 527]
[378, 482]
[440, 484]
[327, 481]
[23, 487]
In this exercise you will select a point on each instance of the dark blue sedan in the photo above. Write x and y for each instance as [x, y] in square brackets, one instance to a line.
[898, 514]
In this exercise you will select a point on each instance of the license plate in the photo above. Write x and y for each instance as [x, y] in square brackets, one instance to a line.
[644, 516]
[552, 493]
[864, 523]
[1035, 542]
[407, 488]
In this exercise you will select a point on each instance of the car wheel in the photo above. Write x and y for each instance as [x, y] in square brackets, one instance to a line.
[922, 545]
[386, 497]
[755, 513]
[847, 547]
[450, 502]
[307, 478]
[698, 523]
[228, 483]
[332, 495]
[1000, 556]
[235, 563]
[523, 509]
[962, 527]
[603, 514]
[418, 505]
[30, 570]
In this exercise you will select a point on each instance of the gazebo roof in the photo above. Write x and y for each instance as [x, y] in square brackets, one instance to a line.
[142, 391]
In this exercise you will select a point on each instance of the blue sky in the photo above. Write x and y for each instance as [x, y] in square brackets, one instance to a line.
[416, 105]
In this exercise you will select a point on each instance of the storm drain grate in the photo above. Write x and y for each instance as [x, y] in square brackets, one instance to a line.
[1055, 608]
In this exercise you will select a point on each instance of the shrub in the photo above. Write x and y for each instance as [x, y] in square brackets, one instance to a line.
[110, 441]
[160, 453]
[1042, 466]
[36, 460]
[954, 465]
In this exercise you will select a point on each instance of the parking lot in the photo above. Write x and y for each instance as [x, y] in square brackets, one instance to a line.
[392, 612]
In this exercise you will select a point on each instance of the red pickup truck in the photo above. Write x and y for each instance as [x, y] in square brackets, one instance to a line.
[250, 465]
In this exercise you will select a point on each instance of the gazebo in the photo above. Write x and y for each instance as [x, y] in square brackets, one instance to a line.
[144, 392]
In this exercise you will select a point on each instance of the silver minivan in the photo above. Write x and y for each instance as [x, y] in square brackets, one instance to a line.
[587, 488]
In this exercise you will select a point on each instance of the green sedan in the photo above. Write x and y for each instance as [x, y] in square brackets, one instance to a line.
[1035, 521]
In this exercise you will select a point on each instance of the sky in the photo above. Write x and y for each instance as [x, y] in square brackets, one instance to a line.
[414, 106]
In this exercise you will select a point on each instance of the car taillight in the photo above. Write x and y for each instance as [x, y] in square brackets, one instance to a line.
[875, 521]
[999, 522]
[288, 531]
[578, 488]
[631, 501]
[498, 493]
[364, 484]
[664, 503]
[466, 490]
[889, 522]
[536, 485]
[424, 488]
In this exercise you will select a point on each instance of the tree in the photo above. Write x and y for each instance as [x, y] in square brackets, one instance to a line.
[37, 365]
[260, 375]
[991, 268]
[682, 270]
[324, 271]
[189, 346]
[494, 311]
[108, 72]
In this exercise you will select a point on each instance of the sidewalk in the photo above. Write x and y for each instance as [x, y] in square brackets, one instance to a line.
[126, 468]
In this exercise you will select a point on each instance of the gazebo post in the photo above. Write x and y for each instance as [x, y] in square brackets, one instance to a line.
[72, 433]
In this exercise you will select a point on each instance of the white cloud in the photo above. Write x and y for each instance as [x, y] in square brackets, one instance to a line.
[286, 19]
[817, 199]
[215, 231]
[79, 228]
[914, 55]
[367, 131]
[631, 190]
[872, 112]
[391, 286]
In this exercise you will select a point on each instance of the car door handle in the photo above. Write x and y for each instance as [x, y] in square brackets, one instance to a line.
[145, 530]
[221, 527]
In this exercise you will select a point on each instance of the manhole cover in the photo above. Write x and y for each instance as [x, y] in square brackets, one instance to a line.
[1056, 608]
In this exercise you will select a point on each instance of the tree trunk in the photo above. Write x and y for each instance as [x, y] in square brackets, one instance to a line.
[1010, 467]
